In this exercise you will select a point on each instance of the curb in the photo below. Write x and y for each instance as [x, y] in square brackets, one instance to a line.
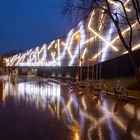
[111, 93]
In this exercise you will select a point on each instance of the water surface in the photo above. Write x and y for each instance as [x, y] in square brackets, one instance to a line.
[38, 109]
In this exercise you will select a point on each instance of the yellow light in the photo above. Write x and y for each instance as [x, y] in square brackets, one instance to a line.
[36, 54]
[116, 4]
[67, 49]
[30, 56]
[76, 136]
[58, 43]
[88, 40]
[72, 38]
[126, 2]
[123, 32]
[53, 55]
[77, 36]
[58, 108]
[96, 55]
[39, 52]
[101, 22]
[84, 102]
[3, 94]
[50, 45]
[83, 56]
[15, 58]
[134, 48]
[96, 34]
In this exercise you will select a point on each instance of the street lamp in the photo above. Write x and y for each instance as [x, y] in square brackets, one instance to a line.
[79, 58]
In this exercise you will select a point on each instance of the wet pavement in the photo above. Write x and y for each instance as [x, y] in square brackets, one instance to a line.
[37, 109]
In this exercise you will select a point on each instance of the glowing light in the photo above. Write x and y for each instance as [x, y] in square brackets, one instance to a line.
[116, 4]
[84, 103]
[87, 41]
[79, 45]
[20, 58]
[95, 56]
[134, 48]
[51, 44]
[39, 55]
[83, 56]
[94, 32]
[66, 44]
[3, 98]
[30, 56]
[72, 38]
[126, 2]
[77, 36]
[53, 55]
[108, 38]
[108, 120]
[101, 22]
[58, 42]
[127, 29]
[14, 59]
[67, 49]
[47, 63]
[44, 54]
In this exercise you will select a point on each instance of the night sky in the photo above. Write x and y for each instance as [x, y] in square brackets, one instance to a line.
[26, 24]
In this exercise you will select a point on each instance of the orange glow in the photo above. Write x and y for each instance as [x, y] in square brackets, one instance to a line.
[3, 94]
[72, 38]
[77, 36]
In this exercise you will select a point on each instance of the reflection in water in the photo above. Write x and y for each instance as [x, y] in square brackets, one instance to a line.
[3, 98]
[33, 92]
[88, 117]
[109, 120]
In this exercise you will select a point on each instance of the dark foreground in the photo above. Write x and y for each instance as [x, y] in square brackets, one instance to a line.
[33, 109]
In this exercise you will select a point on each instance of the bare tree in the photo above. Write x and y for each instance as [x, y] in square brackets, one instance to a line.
[127, 18]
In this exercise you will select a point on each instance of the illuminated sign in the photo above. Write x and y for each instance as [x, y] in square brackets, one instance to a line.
[49, 63]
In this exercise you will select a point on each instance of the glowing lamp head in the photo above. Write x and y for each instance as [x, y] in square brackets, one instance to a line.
[77, 36]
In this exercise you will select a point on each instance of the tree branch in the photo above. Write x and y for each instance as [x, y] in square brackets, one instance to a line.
[136, 10]
[117, 27]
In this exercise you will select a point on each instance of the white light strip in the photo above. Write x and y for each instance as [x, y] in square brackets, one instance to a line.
[96, 34]
[134, 48]
[116, 4]
[50, 45]
[67, 49]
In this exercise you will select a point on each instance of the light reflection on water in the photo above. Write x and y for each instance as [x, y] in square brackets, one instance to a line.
[88, 117]
[33, 92]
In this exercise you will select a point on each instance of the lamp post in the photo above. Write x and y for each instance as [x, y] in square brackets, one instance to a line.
[79, 58]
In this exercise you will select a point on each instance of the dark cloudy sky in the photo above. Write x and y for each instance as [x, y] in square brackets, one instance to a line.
[28, 23]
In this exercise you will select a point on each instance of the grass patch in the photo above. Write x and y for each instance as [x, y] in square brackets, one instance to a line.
[128, 82]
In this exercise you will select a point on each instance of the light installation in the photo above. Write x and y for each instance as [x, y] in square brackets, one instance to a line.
[96, 43]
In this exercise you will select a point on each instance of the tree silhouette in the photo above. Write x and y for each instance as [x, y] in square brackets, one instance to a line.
[119, 16]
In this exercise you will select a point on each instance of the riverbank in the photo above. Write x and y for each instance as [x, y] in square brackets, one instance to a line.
[128, 82]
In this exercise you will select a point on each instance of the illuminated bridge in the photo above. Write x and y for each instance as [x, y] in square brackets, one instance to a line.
[92, 41]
